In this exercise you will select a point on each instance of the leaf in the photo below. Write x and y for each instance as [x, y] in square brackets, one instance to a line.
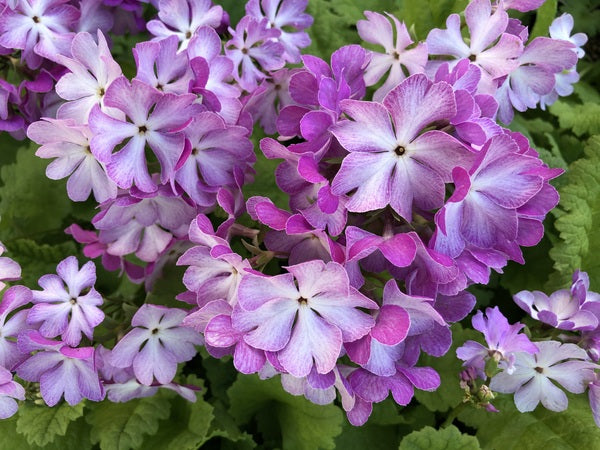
[41, 425]
[224, 426]
[30, 203]
[534, 273]
[185, 429]
[541, 429]
[543, 19]
[581, 119]
[121, 426]
[38, 259]
[578, 220]
[77, 437]
[449, 438]
[303, 424]
[264, 184]
[449, 394]
[167, 287]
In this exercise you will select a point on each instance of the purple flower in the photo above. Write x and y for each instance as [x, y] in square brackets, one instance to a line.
[40, 28]
[253, 41]
[183, 18]
[70, 310]
[563, 309]
[390, 157]
[70, 145]
[482, 211]
[397, 57]
[490, 47]
[60, 369]
[9, 391]
[92, 70]
[156, 344]
[284, 15]
[156, 119]
[218, 152]
[304, 323]
[159, 65]
[14, 298]
[503, 340]
[144, 224]
[531, 381]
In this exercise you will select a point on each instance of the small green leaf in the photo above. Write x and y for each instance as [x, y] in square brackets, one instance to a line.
[41, 425]
[10, 439]
[449, 438]
[303, 424]
[122, 426]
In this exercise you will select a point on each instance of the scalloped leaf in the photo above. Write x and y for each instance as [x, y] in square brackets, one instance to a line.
[449, 438]
[122, 426]
[41, 425]
[578, 220]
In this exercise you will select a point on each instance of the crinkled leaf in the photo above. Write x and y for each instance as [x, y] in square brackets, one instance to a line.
[185, 429]
[11, 439]
[168, 286]
[41, 425]
[578, 220]
[449, 394]
[303, 424]
[449, 438]
[121, 426]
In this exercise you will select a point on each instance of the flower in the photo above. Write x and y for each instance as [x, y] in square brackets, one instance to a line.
[156, 344]
[10, 327]
[304, 315]
[68, 312]
[60, 369]
[397, 57]
[390, 157]
[531, 381]
[503, 340]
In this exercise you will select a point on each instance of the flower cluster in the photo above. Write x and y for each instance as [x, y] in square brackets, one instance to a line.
[511, 363]
[399, 200]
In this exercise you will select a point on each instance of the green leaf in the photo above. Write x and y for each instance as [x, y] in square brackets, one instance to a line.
[579, 219]
[449, 438]
[38, 259]
[303, 424]
[224, 426]
[185, 429]
[543, 19]
[264, 184]
[581, 119]
[30, 203]
[122, 426]
[41, 425]
[541, 429]
[449, 394]
[167, 287]
[77, 437]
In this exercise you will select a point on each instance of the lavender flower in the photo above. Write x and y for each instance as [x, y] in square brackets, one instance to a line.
[156, 344]
[503, 340]
[13, 324]
[60, 369]
[68, 312]
[531, 381]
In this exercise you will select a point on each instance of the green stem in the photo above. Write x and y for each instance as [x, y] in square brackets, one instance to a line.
[454, 414]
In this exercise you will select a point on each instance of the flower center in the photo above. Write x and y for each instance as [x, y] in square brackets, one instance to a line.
[302, 300]
[142, 129]
[156, 330]
[539, 369]
[399, 150]
[35, 19]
